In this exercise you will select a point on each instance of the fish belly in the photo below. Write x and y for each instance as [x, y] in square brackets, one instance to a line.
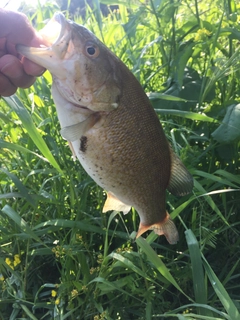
[101, 168]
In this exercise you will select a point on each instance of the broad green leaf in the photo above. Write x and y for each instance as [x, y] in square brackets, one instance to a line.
[180, 62]
[229, 130]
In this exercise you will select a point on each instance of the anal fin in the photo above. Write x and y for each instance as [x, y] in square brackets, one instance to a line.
[181, 181]
[113, 203]
[165, 227]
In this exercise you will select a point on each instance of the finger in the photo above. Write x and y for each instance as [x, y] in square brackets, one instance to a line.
[32, 68]
[16, 27]
[29, 67]
[2, 46]
[12, 68]
[6, 87]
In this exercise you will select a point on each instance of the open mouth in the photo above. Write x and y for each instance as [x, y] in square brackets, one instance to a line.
[56, 35]
[54, 29]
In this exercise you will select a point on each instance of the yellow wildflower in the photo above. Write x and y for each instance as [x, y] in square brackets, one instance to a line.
[54, 293]
[57, 301]
[202, 35]
[74, 293]
[16, 260]
[9, 263]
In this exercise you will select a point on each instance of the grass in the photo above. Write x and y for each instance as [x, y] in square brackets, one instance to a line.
[60, 257]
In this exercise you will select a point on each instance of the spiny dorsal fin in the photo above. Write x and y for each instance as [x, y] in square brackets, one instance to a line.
[181, 181]
[113, 203]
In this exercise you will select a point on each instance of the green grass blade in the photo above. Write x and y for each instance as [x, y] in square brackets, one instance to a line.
[200, 291]
[10, 195]
[106, 242]
[111, 286]
[21, 223]
[202, 306]
[157, 262]
[23, 190]
[220, 291]
[215, 178]
[16, 147]
[209, 200]
[82, 225]
[15, 103]
[129, 264]
[28, 312]
[186, 114]
[164, 96]
[228, 175]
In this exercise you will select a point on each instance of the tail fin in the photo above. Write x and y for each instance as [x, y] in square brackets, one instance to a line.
[166, 227]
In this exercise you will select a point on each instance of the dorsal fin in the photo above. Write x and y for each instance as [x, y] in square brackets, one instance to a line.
[113, 203]
[181, 181]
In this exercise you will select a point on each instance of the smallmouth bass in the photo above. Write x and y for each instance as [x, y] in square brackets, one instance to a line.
[110, 125]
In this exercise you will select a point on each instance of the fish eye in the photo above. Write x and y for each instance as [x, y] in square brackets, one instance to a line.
[92, 50]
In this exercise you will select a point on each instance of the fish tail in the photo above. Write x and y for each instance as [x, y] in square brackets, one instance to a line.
[166, 228]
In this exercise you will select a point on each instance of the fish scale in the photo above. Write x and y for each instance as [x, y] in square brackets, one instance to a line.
[111, 126]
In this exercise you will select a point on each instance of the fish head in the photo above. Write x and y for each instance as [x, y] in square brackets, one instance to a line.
[82, 67]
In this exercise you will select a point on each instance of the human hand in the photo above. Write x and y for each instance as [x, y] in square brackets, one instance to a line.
[15, 70]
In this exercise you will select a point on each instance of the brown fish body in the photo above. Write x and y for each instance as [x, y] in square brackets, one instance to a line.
[132, 163]
[112, 128]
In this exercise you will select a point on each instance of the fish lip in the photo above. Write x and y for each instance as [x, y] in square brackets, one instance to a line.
[57, 44]
[60, 18]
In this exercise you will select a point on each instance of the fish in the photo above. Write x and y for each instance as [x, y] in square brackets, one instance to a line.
[110, 125]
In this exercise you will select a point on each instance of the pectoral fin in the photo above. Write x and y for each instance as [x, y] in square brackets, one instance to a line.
[73, 152]
[181, 181]
[76, 131]
[113, 203]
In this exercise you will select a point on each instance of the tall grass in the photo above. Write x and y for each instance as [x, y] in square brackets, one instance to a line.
[60, 257]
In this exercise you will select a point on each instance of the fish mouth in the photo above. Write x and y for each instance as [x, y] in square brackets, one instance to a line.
[56, 35]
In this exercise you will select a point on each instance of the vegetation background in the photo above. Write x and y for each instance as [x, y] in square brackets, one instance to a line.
[60, 257]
